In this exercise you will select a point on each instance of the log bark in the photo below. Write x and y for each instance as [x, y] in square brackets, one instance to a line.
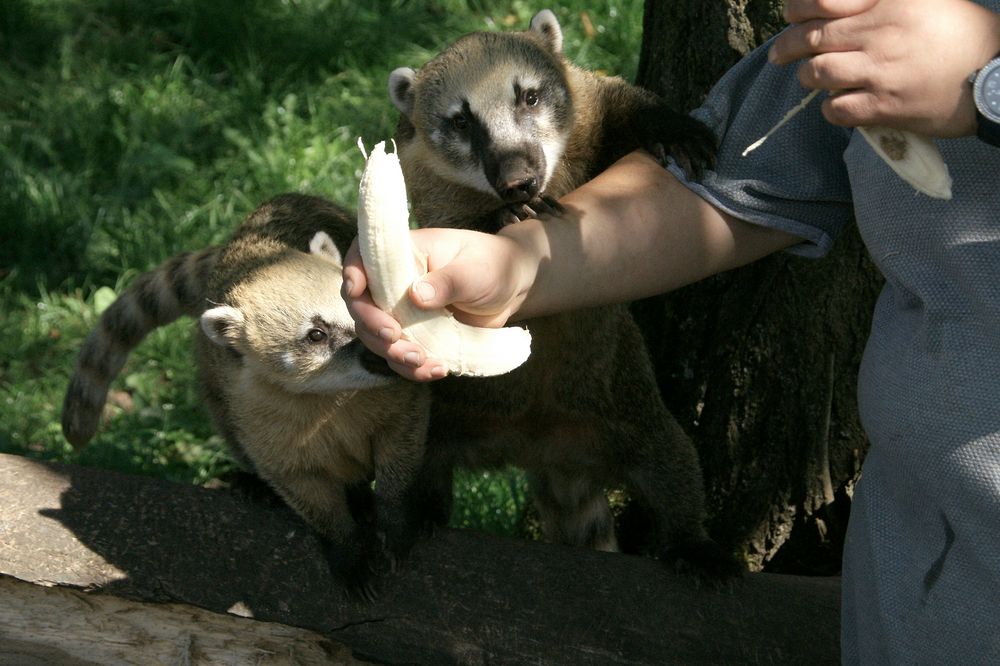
[760, 364]
[61, 626]
[461, 598]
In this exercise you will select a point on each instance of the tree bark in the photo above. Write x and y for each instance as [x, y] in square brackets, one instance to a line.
[760, 364]
[461, 598]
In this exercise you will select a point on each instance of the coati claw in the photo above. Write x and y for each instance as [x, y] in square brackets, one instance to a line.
[389, 259]
[538, 207]
[546, 205]
[518, 212]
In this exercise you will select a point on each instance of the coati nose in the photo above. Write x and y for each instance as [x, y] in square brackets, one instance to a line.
[519, 189]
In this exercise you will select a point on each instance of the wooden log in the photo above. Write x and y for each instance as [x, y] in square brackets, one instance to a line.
[461, 598]
[62, 626]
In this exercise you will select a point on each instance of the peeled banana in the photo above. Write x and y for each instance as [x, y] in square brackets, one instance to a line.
[391, 263]
[916, 159]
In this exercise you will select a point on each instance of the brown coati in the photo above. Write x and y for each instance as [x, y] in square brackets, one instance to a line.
[497, 123]
[285, 379]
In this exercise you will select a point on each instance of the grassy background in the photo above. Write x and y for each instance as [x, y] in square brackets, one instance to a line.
[130, 131]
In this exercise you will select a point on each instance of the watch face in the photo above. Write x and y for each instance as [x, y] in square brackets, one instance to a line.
[987, 91]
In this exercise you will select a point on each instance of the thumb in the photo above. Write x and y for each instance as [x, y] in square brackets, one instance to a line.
[450, 287]
[433, 290]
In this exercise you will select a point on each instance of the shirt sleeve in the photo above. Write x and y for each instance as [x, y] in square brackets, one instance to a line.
[797, 181]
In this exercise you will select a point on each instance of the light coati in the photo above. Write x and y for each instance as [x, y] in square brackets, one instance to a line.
[285, 379]
[493, 128]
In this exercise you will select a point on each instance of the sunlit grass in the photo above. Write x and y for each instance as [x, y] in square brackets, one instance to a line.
[130, 131]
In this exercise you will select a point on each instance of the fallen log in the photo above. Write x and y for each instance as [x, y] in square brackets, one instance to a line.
[461, 598]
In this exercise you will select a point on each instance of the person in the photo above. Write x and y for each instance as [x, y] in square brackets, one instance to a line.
[921, 578]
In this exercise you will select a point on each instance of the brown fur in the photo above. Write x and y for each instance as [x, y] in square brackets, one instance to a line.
[308, 418]
[584, 413]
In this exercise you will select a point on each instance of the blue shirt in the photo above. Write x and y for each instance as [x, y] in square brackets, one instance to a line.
[922, 556]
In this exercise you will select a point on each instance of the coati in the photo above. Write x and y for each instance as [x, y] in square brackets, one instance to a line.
[496, 127]
[286, 381]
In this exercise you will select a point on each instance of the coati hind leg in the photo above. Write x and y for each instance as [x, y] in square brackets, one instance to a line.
[432, 495]
[666, 478]
[573, 510]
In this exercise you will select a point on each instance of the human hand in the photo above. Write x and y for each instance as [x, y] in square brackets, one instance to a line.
[482, 278]
[899, 63]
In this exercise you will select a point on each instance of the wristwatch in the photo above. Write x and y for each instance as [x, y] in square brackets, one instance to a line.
[986, 93]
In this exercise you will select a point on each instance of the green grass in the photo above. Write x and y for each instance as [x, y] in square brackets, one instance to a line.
[130, 131]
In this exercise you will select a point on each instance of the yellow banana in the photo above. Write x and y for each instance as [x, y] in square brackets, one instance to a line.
[916, 159]
[392, 266]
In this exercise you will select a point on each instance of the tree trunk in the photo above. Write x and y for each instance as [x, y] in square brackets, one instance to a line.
[760, 364]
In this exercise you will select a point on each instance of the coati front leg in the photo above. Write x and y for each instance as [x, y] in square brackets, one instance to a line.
[432, 495]
[399, 456]
[327, 506]
[636, 118]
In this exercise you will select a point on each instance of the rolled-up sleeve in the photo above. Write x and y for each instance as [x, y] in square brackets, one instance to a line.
[797, 181]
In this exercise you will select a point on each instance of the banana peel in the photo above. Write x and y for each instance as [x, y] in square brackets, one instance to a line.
[391, 264]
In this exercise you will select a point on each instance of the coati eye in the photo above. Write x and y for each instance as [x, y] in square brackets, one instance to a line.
[531, 98]
[316, 335]
[460, 122]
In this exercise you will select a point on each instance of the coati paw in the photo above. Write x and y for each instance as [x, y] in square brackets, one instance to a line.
[545, 205]
[353, 566]
[364, 590]
[704, 559]
[692, 145]
[390, 555]
[537, 207]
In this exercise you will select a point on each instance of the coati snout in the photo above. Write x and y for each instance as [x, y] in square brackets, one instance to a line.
[516, 175]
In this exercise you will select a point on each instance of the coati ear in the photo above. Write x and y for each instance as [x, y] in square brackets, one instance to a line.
[223, 325]
[546, 24]
[401, 89]
[323, 247]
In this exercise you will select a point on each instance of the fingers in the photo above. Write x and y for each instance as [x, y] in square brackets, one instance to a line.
[404, 357]
[857, 107]
[355, 279]
[798, 11]
[378, 331]
[838, 71]
[815, 36]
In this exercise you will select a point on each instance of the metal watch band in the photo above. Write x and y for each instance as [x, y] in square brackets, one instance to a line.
[987, 129]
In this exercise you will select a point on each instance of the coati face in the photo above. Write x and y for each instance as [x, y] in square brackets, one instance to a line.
[290, 326]
[494, 110]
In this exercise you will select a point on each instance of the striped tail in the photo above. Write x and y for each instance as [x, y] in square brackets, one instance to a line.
[175, 288]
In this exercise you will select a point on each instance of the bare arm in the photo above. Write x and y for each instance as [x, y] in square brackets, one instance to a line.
[631, 232]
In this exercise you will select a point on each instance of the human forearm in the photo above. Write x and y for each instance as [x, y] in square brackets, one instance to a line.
[632, 232]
